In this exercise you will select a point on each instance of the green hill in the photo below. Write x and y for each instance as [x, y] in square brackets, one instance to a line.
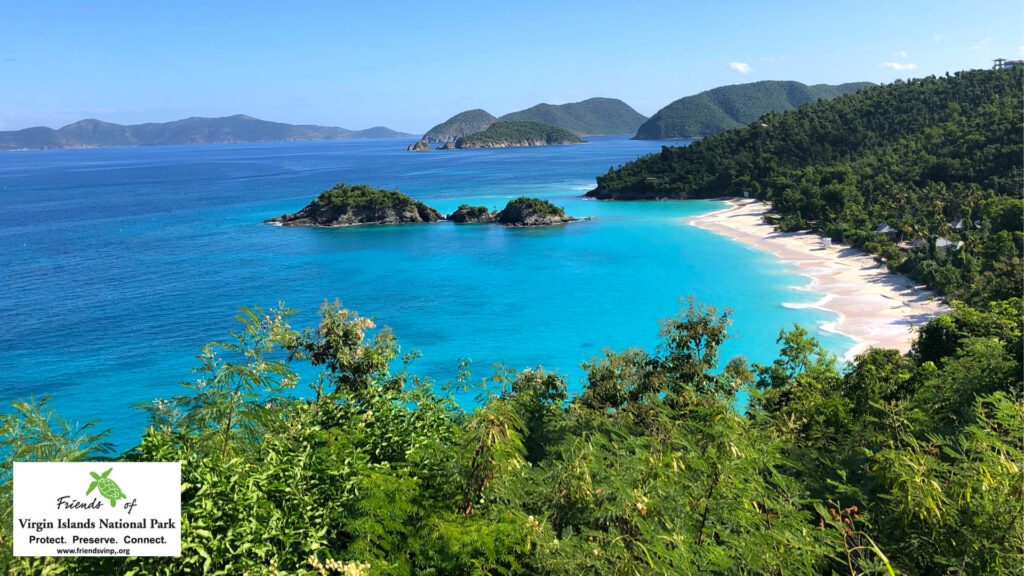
[239, 128]
[457, 126]
[515, 134]
[734, 106]
[589, 117]
[934, 159]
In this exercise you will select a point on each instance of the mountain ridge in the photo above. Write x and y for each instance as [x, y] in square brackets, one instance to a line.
[236, 129]
[459, 125]
[590, 117]
[733, 106]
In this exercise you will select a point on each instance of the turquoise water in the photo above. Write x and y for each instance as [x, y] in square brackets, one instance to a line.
[117, 264]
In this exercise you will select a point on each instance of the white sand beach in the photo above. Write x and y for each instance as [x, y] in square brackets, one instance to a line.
[875, 306]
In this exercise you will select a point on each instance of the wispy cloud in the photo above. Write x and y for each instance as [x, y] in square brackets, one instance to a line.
[936, 38]
[899, 65]
[1021, 49]
[741, 67]
[900, 53]
[983, 43]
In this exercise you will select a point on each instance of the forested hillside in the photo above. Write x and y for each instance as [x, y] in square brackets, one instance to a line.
[727, 107]
[938, 160]
[589, 117]
[504, 134]
[459, 125]
[898, 464]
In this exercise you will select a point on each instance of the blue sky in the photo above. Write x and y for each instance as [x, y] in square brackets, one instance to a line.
[409, 65]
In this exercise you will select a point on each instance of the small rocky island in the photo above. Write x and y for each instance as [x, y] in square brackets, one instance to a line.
[515, 134]
[503, 134]
[522, 211]
[466, 214]
[352, 205]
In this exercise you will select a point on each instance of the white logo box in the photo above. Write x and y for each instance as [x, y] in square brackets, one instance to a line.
[131, 509]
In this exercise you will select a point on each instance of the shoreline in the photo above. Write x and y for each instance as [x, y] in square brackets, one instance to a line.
[875, 307]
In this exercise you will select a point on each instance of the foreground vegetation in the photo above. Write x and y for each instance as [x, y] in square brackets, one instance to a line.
[895, 464]
[934, 161]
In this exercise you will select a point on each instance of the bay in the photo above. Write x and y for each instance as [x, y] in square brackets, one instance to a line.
[117, 264]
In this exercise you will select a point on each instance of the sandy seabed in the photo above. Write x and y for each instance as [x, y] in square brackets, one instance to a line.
[876, 307]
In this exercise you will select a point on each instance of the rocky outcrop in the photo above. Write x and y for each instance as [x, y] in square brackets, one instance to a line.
[419, 145]
[525, 211]
[467, 214]
[522, 211]
[346, 205]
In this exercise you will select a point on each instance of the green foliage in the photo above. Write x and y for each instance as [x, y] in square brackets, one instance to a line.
[504, 133]
[932, 158]
[471, 214]
[347, 205]
[364, 197]
[520, 210]
[735, 106]
[897, 464]
[944, 335]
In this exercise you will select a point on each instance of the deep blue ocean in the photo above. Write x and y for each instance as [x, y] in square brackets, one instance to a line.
[117, 264]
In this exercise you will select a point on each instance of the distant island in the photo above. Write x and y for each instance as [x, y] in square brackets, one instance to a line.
[236, 129]
[457, 126]
[359, 204]
[515, 134]
[591, 117]
[727, 107]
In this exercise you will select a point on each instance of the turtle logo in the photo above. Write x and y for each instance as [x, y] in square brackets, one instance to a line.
[107, 487]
